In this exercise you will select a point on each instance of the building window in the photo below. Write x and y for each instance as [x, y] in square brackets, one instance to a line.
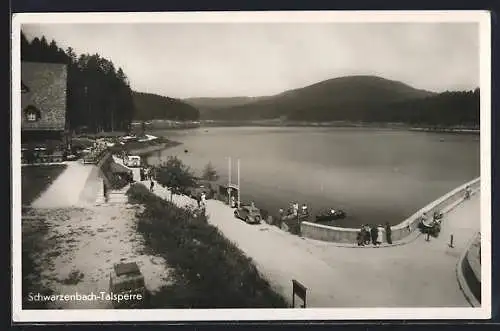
[32, 114]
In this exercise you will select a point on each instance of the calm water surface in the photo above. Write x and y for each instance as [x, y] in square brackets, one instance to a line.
[375, 175]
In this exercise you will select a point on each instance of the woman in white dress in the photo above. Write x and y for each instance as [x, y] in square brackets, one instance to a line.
[380, 234]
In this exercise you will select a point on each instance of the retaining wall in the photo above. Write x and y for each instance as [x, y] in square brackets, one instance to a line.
[399, 231]
[469, 272]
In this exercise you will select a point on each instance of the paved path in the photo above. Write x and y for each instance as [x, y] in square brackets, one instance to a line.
[66, 189]
[420, 274]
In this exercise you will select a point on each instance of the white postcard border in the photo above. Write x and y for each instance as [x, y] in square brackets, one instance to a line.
[484, 312]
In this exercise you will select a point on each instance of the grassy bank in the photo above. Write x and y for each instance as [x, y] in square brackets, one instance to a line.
[36, 179]
[33, 232]
[210, 271]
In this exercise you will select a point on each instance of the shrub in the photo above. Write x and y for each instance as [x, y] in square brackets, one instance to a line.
[210, 271]
[175, 175]
[209, 173]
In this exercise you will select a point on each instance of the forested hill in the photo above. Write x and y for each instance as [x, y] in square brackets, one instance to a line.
[98, 94]
[152, 106]
[358, 99]
[206, 105]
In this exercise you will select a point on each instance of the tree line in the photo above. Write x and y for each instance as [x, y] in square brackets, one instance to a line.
[457, 108]
[99, 97]
[152, 106]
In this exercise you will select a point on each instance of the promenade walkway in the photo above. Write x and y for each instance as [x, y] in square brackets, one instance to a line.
[419, 274]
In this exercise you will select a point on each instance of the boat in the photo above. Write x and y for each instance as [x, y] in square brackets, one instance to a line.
[330, 215]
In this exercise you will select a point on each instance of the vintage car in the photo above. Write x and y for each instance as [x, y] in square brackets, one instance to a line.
[132, 161]
[330, 215]
[249, 214]
[126, 278]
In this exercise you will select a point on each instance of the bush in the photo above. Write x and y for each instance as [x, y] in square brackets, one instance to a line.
[175, 175]
[210, 271]
[209, 173]
[32, 242]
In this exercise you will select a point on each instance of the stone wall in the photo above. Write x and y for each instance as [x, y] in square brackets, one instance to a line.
[399, 231]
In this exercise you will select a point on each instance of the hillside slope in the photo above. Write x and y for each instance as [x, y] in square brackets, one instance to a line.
[216, 103]
[344, 98]
[152, 106]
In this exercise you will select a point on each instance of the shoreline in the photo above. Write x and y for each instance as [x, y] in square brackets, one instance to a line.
[151, 149]
[339, 124]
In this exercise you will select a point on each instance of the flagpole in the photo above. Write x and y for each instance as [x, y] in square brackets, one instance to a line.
[229, 181]
[239, 188]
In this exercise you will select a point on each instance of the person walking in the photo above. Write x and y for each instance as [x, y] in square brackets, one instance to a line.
[388, 233]
[373, 234]
[105, 191]
[305, 211]
[360, 238]
[151, 185]
[380, 234]
[367, 234]
[295, 207]
[468, 192]
[203, 199]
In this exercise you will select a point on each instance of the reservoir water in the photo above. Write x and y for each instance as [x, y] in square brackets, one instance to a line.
[374, 175]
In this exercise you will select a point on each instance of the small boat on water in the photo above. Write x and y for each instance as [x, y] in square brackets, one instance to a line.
[330, 215]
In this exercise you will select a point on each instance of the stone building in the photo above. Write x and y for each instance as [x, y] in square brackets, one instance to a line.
[44, 128]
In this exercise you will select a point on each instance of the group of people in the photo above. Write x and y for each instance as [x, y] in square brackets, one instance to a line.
[431, 226]
[201, 199]
[146, 173]
[374, 235]
[295, 210]
[468, 192]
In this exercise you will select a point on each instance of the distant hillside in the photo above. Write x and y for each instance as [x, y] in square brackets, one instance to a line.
[441, 110]
[352, 98]
[207, 105]
[152, 106]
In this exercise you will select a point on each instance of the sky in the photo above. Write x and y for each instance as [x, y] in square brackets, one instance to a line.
[183, 60]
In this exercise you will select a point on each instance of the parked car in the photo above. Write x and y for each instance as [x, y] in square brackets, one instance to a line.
[132, 161]
[249, 214]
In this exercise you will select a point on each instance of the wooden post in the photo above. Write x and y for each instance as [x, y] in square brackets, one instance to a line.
[299, 290]
[451, 240]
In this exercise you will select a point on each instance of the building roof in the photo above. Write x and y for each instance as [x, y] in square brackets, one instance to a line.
[44, 87]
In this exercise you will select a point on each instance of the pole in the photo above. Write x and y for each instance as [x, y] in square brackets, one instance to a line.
[229, 182]
[239, 188]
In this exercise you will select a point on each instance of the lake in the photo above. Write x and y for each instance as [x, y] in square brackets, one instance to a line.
[374, 175]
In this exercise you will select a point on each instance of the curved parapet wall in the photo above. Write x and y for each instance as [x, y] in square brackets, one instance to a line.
[469, 271]
[399, 231]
